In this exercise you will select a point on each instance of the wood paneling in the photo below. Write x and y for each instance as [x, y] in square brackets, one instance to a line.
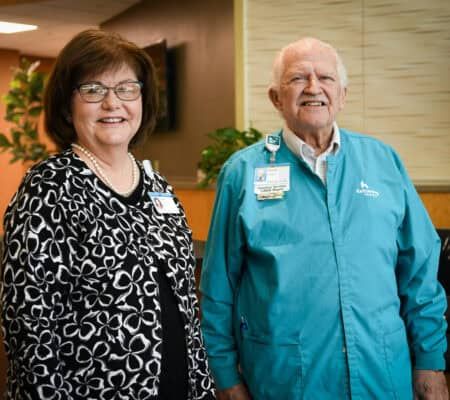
[397, 54]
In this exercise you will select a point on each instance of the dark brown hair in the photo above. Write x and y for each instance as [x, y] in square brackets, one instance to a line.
[90, 53]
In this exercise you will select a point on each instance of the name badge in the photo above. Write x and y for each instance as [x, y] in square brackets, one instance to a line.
[271, 182]
[164, 203]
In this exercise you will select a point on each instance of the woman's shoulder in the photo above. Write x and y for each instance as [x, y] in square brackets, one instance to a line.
[51, 172]
[42, 186]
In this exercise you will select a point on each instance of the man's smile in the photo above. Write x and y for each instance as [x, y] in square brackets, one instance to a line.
[313, 103]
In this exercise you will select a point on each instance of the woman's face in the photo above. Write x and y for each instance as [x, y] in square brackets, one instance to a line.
[111, 122]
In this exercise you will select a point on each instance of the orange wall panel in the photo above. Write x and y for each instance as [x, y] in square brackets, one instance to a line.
[438, 206]
[198, 205]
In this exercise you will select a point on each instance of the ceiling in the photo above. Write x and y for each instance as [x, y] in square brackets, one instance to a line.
[58, 22]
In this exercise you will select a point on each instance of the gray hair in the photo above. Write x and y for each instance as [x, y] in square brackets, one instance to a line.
[307, 42]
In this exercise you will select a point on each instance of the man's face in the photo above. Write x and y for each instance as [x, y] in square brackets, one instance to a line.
[310, 94]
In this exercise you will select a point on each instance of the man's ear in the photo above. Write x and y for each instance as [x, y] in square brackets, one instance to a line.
[274, 98]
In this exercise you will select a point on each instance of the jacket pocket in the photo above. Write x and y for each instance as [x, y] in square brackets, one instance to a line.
[398, 364]
[272, 370]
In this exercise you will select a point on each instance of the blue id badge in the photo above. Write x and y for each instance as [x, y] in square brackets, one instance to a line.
[163, 203]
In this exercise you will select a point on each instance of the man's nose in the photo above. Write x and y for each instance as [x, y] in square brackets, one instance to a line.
[312, 85]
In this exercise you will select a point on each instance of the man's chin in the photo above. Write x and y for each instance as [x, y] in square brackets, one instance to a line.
[313, 127]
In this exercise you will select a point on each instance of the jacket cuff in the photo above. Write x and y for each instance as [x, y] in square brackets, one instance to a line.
[430, 361]
[224, 377]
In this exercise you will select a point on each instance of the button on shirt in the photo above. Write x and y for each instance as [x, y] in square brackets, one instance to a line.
[318, 164]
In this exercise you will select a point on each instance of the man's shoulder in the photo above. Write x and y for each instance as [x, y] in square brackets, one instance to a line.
[357, 139]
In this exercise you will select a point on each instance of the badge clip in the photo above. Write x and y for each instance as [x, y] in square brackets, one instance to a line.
[148, 168]
[272, 145]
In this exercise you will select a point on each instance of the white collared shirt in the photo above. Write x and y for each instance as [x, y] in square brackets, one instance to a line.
[318, 164]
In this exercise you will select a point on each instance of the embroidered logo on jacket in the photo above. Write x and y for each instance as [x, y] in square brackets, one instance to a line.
[366, 191]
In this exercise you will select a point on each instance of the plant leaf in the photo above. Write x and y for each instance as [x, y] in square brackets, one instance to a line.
[226, 141]
[4, 142]
[35, 111]
[23, 107]
[16, 137]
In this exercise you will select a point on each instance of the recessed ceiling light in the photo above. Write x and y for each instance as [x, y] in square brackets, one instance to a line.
[10, 27]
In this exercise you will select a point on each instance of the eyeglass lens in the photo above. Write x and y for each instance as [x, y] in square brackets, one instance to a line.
[95, 92]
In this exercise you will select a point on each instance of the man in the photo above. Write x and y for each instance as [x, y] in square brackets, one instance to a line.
[319, 282]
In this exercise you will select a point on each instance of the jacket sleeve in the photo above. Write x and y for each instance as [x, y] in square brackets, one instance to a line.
[31, 298]
[220, 277]
[423, 298]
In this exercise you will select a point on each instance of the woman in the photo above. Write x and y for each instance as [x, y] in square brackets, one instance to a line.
[98, 287]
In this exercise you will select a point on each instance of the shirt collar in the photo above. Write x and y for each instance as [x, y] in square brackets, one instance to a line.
[302, 149]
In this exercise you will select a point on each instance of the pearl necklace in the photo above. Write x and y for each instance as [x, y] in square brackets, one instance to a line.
[102, 174]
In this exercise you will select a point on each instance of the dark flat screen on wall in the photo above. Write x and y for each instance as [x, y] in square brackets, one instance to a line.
[159, 54]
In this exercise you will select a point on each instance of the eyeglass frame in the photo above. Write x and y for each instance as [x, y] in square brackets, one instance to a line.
[113, 88]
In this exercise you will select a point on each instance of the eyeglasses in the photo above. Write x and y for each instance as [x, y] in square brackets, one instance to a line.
[95, 92]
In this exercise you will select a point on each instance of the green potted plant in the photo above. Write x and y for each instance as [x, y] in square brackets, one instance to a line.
[226, 141]
[24, 105]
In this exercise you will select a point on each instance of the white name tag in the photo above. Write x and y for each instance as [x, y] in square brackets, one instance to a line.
[272, 181]
[164, 203]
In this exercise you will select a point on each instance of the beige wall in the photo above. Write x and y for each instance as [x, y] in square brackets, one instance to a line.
[398, 57]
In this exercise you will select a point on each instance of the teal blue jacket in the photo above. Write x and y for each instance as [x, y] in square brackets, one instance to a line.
[330, 292]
